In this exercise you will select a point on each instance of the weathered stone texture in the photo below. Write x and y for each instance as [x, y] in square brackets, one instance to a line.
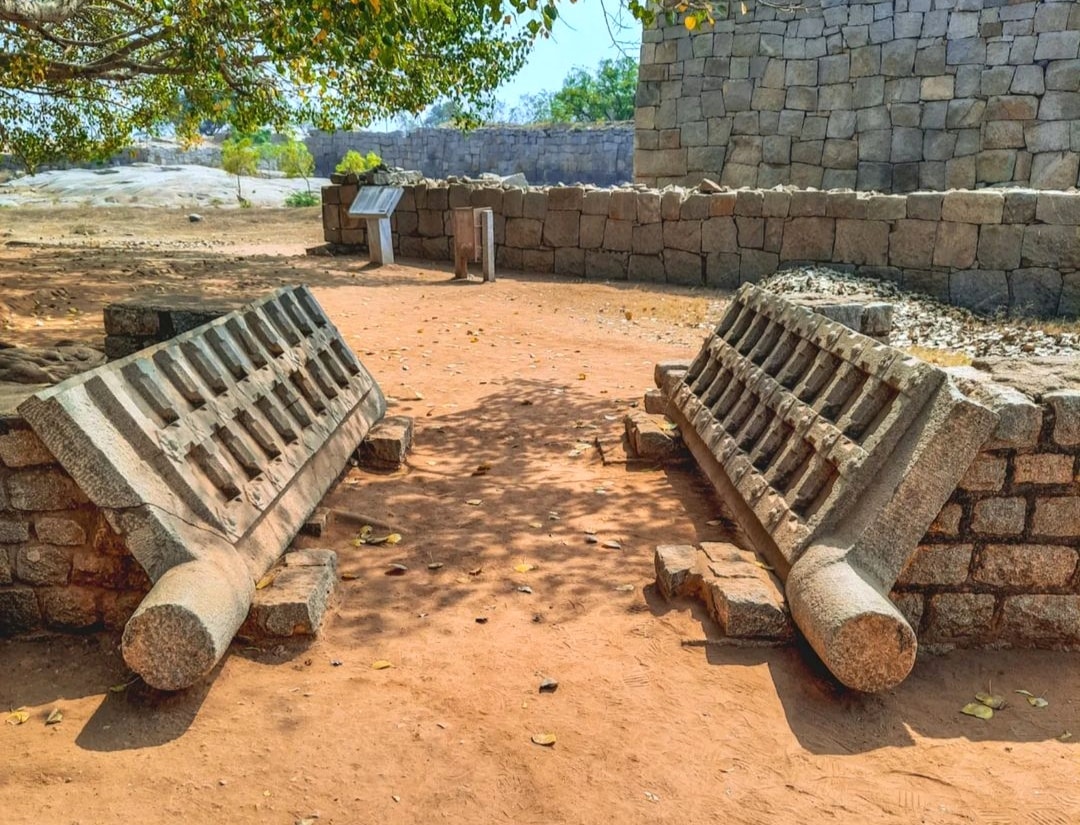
[949, 96]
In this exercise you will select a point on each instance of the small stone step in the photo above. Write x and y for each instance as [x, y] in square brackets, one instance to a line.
[295, 602]
[317, 523]
[653, 437]
[739, 591]
[655, 403]
[387, 444]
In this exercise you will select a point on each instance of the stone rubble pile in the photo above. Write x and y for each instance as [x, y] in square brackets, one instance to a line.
[921, 321]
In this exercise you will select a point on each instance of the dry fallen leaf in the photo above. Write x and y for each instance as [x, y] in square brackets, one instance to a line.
[55, 717]
[1037, 702]
[546, 739]
[990, 700]
[348, 577]
[18, 716]
[978, 710]
[380, 664]
[390, 538]
[474, 502]
[266, 580]
[1064, 736]
[536, 525]
[435, 565]
[625, 588]
[612, 545]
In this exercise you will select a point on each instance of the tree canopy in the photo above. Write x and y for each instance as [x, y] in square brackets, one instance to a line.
[79, 78]
[593, 97]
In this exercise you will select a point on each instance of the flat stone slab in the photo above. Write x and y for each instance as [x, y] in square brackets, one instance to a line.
[653, 437]
[835, 453]
[207, 453]
[739, 591]
[295, 602]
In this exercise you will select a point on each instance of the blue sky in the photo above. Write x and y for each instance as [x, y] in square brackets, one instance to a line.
[580, 38]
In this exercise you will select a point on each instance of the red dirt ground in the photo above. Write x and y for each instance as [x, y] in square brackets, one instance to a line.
[520, 376]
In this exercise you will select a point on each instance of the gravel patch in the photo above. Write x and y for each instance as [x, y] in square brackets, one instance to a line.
[921, 321]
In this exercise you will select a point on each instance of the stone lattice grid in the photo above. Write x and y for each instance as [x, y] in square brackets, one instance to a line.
[219, 437]
[799, 412]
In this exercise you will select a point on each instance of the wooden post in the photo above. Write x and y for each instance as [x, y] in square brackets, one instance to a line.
[486, 225]
[463, 240]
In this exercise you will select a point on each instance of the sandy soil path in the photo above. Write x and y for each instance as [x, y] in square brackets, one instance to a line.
[519, 377]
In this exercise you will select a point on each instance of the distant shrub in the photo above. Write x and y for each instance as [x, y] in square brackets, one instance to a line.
[240, 156]
[294, 159]
[302, 199]
[354, 163]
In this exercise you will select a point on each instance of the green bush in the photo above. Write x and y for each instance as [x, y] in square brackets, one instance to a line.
[355, 163]
[302, 199]
[240, 156]
[294, 159]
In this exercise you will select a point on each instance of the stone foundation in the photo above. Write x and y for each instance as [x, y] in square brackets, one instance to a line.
[999, 564]
[61, 566]
[987, 250]
[996, 567]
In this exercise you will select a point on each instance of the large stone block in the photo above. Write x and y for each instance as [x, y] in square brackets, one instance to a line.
[1056, 247]
[19, 611]
[562, 228]
[1040, 619]
[43, 488]
[999, 246]
[937, 564]
[1035, 291]
[207, 454]
[1066, 407]
[1026, 566]
[808, 239]
[862, 242]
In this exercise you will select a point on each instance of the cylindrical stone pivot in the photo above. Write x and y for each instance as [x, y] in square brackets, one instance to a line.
[855, 629]
[186, 622]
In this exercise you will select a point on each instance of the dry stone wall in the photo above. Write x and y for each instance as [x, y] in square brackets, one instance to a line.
[987, 250]
[602, 155]
[61, 566]
[999, 564]
[892, 96]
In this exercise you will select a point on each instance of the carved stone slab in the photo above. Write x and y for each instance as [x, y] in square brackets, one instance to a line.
[207, 453]
[835, 453]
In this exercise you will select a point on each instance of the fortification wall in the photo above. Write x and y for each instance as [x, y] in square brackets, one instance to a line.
[886, 95]
[987, 250]
[601, 155]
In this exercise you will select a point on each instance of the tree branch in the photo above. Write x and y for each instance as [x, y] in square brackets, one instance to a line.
[38, 11]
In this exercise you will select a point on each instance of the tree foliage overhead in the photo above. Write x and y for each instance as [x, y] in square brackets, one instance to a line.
[79, 77]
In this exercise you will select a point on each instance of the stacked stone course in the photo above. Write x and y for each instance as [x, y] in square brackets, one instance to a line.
[1014, 249]
[61, 565]
[892, 96]
[999, 564]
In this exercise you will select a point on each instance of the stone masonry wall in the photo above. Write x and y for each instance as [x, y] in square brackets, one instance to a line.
[999, 565]
[885, 95]
[61, 566]
[602, 155]
[986, 250]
